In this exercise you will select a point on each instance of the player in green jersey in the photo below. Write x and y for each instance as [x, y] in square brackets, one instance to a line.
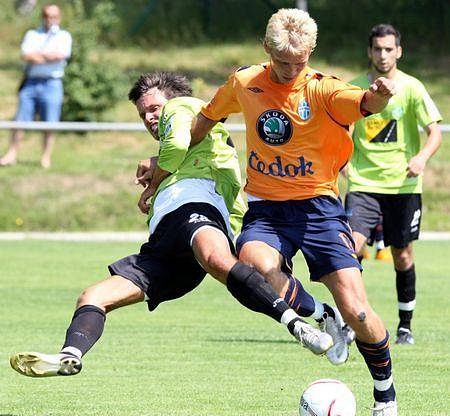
[386, 170]
[192, 217]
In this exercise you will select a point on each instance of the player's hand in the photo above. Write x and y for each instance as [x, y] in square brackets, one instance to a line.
[416, 166]
[383, 87]
[378, 95]
[147, 193]
[145, 170]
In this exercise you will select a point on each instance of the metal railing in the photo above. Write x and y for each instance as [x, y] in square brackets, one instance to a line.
[103, 126]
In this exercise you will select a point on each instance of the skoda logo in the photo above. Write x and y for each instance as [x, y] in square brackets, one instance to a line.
[274, 127]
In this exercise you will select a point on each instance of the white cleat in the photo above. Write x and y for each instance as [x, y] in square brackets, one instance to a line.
[349, 333]
[338, 353]
[385, 409]
[316, 341]
[35, 364]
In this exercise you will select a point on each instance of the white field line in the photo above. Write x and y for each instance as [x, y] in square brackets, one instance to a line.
[138, 236]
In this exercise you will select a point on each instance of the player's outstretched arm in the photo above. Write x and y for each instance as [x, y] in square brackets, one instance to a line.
[201, 126]
[378, 95]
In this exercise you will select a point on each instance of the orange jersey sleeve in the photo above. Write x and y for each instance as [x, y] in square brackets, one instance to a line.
[342, 101]
[223, 103]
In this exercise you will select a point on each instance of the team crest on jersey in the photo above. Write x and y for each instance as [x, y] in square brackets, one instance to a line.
[304, 111]
[167, 126]
[397, 113]
[274, 127]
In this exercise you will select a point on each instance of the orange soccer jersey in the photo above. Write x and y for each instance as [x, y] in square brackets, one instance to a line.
[297, 138]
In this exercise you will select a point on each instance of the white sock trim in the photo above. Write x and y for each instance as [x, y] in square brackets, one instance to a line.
[383, 385]
[72, 350]
[318, 309]
[407, 306]
[288, 316]
[380, 245]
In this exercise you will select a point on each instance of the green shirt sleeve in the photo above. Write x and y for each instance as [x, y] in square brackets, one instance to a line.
[174, 136]
[425, 109]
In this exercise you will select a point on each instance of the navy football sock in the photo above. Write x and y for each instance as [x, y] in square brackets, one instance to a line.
[378, 359]
[299, 299]
[85, 329]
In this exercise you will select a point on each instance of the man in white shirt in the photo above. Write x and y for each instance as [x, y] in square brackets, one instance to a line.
[45, 52]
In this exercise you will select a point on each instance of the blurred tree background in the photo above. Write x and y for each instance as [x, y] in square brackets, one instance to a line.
[90, 185]
[343, 23]
[93, 83]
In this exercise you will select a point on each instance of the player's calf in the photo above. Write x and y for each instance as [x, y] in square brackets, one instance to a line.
[250, 288]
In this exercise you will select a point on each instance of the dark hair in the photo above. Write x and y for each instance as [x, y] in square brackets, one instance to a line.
[170, 84]
[380, 31]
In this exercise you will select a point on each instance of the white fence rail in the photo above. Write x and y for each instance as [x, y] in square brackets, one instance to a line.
[97, 126]
[137, 236]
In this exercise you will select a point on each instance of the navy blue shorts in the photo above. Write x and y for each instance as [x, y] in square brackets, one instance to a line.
[317, 226]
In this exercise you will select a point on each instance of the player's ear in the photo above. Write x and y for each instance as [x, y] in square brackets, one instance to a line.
[399, 52]
[266, 47]
[369, 52]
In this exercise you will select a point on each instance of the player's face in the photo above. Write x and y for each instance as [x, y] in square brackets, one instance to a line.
[285, 67]
[51, 16]
[384, 53]
[149, 107]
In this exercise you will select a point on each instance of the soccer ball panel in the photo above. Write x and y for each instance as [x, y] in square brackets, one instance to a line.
[327, 397]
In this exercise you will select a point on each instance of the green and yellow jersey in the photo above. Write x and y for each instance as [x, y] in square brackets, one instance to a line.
[213, 158]
[385, 142]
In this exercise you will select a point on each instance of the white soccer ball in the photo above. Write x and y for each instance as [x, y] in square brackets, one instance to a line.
[327, 397]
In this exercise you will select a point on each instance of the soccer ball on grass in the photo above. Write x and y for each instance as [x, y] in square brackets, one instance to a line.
[327, 397]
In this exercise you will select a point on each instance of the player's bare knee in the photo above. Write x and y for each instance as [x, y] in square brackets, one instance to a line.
[357, 316]
[403, 257]
[265, 265]
[91, 296]
[217, 262]
[403, 261]
[246, 255]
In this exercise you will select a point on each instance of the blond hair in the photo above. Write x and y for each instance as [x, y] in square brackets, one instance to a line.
[292, 31]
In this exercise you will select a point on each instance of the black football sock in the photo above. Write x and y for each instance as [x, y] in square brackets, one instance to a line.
[250, 288]
[406, 295]
[378, 359]
[85, 329]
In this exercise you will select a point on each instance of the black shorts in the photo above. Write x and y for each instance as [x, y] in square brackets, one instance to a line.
[166, 267]
[400, 213]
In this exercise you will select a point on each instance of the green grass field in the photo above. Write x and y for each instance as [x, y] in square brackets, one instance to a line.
[203, 354]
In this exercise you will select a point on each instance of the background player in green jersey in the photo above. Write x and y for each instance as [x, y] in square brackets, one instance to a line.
[385, 172]
[192, 218]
